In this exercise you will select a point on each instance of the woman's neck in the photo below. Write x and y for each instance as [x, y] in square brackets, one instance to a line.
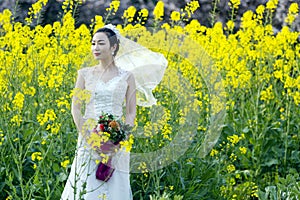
[107, 65]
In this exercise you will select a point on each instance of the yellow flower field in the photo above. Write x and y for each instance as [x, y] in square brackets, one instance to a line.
[226, 123]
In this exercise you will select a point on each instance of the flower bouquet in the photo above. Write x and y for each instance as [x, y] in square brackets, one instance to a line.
[106, 138]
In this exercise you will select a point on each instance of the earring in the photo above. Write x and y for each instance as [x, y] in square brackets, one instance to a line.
[112, 53]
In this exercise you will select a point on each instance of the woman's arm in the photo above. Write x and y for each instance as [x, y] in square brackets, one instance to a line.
[130, 100]
[76, 102]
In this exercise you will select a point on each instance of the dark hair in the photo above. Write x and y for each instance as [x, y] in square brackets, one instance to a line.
[112, 37]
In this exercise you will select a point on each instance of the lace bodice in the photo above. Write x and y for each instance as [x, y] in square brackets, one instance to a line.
[105, 96]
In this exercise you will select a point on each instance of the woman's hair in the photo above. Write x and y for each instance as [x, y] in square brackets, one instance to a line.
[112, 37]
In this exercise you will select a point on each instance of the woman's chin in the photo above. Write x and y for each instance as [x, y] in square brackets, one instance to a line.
[97, 57]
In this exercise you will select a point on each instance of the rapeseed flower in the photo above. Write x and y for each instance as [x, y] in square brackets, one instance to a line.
[230, 25]
[128, 143]
[214, 152]
[1, 138]
[144, 13]
[18, 101]
[234, 3]
[292, 13]
[272, 5]
[267, 94]
[243, 150]
[65, 163]
[234, 139]
[36, 156]
[191, 7]
[296, 97]
[49, 115]
[175, 16]
[113, 6]
[129, 13]
[230, 168]
[16, 119]
[158, 11]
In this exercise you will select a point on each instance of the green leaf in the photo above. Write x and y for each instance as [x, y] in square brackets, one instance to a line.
[271, 162]
[62, 177]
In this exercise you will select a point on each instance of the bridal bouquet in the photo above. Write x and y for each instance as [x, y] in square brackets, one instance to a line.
[108, 132]
[106, 137]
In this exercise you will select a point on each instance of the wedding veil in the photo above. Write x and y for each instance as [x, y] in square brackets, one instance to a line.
[147, 66]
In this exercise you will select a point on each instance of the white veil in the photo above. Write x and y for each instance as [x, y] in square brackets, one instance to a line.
[147, 66]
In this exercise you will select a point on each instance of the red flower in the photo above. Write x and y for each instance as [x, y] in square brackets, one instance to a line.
[101, 127]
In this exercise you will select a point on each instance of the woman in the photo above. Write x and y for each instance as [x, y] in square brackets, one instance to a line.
[109, 86]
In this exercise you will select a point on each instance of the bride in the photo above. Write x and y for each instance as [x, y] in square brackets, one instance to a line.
[109, 85]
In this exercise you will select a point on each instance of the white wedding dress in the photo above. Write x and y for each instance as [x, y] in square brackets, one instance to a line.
[82, 183]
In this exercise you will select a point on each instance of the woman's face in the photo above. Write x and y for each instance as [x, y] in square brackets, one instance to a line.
[101, 48]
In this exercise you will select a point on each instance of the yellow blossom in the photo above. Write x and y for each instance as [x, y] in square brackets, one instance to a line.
[128, 143]
[272, 5]
[233, 157]
[1, 138]
[65, 163]
[81, 96]
[260, 10]
[18, 101]
[214, 152]
[55, 128]
[230, 168]
[143, 167]
[191, 7]
[175, 16]
[144, 12]
[297, 98]
[16, 119]
[48, 116]
[267, 94]
[234, 3]
[243, 150]
[36, 156]
[98, 22]
[114, 6]
[292, 13]
[234, 139]
[9, 197]
[158, 11]
[293, 9]
[230, 25]
[129, 13]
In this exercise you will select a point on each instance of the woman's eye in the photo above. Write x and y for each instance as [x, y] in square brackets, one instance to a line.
[93, 43]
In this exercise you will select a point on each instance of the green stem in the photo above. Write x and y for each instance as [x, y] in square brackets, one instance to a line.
[74, 11]
[232, 14]
[257, 137]
[287, 131]
[15, 9]
[213, 13]
[106, 17]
